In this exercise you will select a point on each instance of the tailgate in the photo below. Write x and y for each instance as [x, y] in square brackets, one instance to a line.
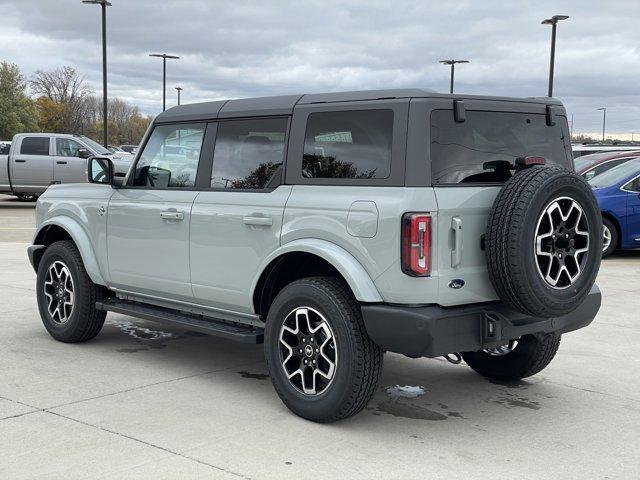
[462, 221]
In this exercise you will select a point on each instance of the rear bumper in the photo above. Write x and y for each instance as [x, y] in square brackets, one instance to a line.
[433, 331]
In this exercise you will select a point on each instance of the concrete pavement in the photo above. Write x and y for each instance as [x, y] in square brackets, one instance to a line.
[148, 401]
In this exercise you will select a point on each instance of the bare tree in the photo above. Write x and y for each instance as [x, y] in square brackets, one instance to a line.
[65, 86]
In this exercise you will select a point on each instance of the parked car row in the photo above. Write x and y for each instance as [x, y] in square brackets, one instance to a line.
[582, 149]
[36, 160]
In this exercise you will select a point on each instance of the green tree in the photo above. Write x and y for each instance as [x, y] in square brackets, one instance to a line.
[17, 112]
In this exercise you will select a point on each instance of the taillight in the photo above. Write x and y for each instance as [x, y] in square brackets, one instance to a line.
[416, 244]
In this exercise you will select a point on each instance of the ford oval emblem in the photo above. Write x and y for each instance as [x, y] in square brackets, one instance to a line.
[456, 283]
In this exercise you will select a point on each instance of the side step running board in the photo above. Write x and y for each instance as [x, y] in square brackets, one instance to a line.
[198, 323]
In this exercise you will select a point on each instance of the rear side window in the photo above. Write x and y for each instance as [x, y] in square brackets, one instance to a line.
[35, 146]
[483, 149]
[633, 185]
[170, 157]
[348, 144]
[603, 167]
[248, 153]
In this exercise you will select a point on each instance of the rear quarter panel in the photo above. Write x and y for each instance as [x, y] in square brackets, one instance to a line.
[323, 212]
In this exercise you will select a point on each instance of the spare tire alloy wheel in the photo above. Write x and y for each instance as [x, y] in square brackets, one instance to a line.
[544, 241]
[308, 350]
[59, 292]
[562, 241]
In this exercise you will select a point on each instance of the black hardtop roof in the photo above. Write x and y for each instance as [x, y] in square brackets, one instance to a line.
[284, 104]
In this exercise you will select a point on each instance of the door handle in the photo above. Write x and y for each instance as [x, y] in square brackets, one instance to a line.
[260, 221]
[171, 215]
[61, 162]
[456, 253]
[19, 160]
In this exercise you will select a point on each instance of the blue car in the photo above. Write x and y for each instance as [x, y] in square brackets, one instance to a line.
[618, 193]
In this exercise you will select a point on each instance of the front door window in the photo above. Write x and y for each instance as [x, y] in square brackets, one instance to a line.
[170, 157]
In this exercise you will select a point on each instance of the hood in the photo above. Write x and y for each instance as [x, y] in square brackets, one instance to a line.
[120, 156]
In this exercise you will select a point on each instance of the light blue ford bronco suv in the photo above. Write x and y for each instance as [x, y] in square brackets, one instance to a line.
[333, 228]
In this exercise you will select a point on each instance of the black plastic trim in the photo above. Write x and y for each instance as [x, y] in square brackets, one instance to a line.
[210, 326]
[431, 331]
[459, 112]
[35, 252]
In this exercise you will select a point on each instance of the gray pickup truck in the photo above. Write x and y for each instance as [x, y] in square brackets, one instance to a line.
[36, 160]
[335, 227]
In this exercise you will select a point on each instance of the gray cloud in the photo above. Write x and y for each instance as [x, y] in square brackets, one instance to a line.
[239, 48]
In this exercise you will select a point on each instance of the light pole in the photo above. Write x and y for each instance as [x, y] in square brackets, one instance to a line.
[179, 89]
[105, 124]
[553, 21]
[453, 66]
[604, 119]
[164, 57]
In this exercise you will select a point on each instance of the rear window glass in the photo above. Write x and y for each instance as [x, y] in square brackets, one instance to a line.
[483, 149]
[35, 146]
[348, 144]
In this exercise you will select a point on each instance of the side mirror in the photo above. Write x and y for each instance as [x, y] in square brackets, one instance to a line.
[100, 170]
[83, 153]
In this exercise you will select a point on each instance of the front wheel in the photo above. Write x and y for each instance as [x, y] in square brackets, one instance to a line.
[521, 358]
[67, 296]
[321, 360]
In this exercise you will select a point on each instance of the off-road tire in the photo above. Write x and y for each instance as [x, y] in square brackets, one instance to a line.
[615, 235]
[510, 241]
[85, 321]
[359, 358]
[532, 354]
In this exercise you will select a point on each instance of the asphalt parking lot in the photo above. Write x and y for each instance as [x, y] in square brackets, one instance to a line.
[145, 401]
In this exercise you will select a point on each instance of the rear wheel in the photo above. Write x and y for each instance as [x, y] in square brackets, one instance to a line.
[67, 296]
[610, 237]
[322, 363]
[521, 358]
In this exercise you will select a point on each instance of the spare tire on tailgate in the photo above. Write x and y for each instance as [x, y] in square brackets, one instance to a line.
[544, 241]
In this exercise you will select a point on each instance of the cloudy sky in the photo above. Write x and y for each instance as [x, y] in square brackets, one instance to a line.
[237, 48]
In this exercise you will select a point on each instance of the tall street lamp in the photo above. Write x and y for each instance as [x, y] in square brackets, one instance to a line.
[164, 57]
[105, 127]
[553, 21]
[178, 89]
[453, 66]
[604, 119]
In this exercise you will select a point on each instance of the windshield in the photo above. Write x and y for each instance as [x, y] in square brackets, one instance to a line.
[616, 174]
[99, 149]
